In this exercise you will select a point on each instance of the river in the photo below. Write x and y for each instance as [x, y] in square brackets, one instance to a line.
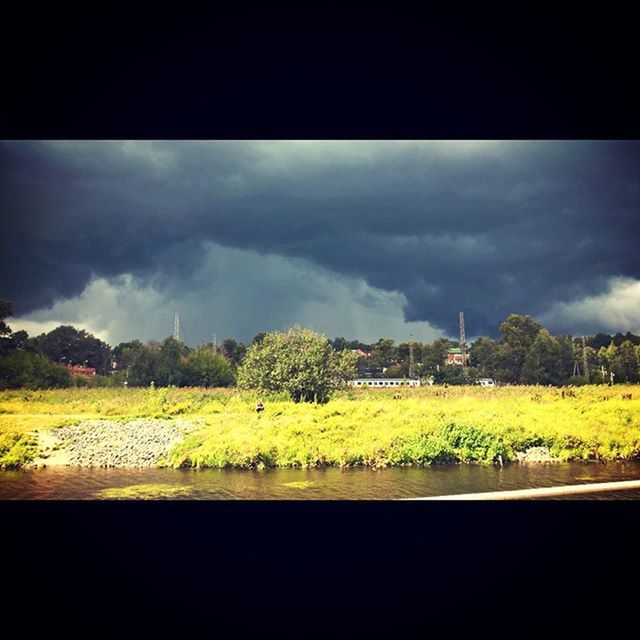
[73, 483]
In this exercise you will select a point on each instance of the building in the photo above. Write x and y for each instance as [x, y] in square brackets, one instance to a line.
[361, 353]
[384, 382]
[455, 356]
[82, 372]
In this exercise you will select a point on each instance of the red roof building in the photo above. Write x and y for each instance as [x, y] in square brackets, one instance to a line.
[79, 370]
[455, 356]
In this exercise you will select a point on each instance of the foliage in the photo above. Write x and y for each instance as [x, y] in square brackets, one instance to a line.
[69, 345]
[233, 351]
[20, 369]
[299, 362]
[203, 368]
[369, 427]
[5, 312]
[16, 450]
[541, 364]
[625, 363]
[519, 332]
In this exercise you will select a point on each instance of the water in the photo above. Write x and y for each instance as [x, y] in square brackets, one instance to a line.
[71, 483]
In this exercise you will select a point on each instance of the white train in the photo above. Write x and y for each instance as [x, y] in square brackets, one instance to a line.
[384, 382]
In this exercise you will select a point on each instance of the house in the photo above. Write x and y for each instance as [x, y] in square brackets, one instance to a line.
[79, 370]
[361, 353]
[455, 356]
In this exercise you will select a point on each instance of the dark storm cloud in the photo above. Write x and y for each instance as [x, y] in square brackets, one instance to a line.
[488, 228]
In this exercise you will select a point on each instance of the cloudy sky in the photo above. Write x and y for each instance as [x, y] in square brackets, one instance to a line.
[363, 239]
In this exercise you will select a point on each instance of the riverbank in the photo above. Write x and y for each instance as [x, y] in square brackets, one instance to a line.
[102, 443]
[359, 427]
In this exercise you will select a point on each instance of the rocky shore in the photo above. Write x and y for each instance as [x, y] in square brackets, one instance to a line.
[535, 454]
[103, 443]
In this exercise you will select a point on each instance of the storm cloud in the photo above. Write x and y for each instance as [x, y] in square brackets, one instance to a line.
[547, 228]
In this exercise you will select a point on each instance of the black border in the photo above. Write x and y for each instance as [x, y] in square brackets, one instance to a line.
[325, 70]
[330, 71]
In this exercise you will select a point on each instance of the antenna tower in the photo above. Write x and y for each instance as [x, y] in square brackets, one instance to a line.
[462, 338]
[176, 326]
[214, 343]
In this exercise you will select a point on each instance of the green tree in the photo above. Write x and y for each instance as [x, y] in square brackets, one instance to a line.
[482, 353]
[384, 353]
[567, 357]
[144, 367]
[298, 361]
[233, 351]
[625, 363]
[20, 369]
[518, 335]
[400, 370]
[5, 311]
[126, 353]
[203, 368]
[434, 354]
[68, 345]
[339, 344]
[170, 370]
[543, 364]
[452, 374]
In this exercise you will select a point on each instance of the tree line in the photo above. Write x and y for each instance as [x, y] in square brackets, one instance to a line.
[525, 353]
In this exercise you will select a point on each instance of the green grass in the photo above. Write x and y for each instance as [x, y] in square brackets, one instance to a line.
[428, 425]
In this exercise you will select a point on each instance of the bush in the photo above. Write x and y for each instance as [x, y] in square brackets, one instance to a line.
[300, 362]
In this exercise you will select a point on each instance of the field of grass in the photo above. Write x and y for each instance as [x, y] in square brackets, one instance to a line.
[427, 425]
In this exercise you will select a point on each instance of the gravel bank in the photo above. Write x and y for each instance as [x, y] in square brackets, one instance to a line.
[103, 443]
[535, 454]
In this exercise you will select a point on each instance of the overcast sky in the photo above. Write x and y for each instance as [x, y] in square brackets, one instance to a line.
[363, 239]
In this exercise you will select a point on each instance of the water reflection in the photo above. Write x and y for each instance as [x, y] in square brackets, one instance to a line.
[62, 483]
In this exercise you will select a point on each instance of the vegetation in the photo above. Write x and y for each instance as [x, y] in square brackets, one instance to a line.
[526, 353]
[21, 369]
[427, 425]
[299, 362]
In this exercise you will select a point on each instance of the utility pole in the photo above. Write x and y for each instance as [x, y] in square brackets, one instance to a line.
[176, 326]
[585, 360]
[576, 367]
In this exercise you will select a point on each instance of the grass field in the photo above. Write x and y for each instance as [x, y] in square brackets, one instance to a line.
[427, 425]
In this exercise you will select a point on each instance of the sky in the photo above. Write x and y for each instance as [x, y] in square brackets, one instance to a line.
[355, 238]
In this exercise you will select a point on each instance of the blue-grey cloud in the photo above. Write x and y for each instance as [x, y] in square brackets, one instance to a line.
[485, 227]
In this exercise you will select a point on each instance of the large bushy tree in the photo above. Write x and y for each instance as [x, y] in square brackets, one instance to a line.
[300, 362]
[69, 345]
[518, 335]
